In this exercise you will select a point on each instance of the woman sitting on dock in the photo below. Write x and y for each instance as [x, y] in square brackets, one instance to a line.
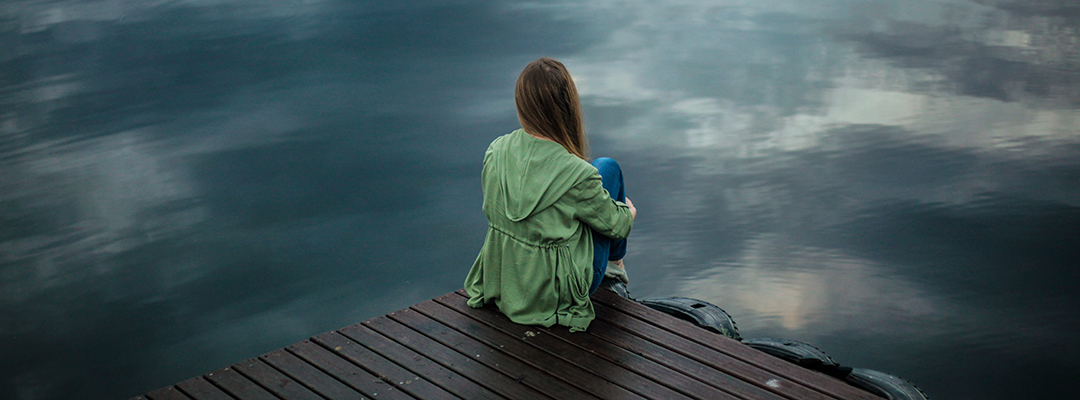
[556, 223]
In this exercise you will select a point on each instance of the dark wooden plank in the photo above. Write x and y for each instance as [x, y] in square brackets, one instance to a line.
[308, 375]
[238, 385]
[395, 374]
[273, 380]
[199, 389]
[576, 355]
[447, 357]
[691, 368]
[166, 393]
[417, 363]
[443, 348]
[524, 352]
[634, 360]
[535, 378]
[812, 379]
[714, 359]
[344, 371]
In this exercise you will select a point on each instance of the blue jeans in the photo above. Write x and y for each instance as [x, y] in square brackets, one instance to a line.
[604, 248]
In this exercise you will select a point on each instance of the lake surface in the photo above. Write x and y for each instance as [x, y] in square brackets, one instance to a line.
[186, 184]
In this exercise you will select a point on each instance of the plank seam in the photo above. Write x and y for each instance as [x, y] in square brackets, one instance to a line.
[389, 359]
[686, 373]
[526, 382]
[448, 365]
[293, 377]
[612, 362]
[664, 367]
[325, 371]
[696, 358]
[553, 354]
[802, 378]
[185, 392]
[234, 395]
[514, 356]
[267, 389]
[148, 396]
[646, 352]
[370, 370]
[219, 387]
[610, 305]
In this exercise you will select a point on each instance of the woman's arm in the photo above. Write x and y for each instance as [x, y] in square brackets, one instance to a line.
[597, 210]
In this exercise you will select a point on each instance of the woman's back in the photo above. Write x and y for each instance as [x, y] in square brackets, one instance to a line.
[541, 202]
[544, 204]
[526, 180]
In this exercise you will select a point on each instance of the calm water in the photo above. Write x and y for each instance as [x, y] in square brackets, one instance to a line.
[185, 184]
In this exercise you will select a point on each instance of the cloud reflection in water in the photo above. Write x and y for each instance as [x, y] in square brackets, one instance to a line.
[808, 293]
[185, 180]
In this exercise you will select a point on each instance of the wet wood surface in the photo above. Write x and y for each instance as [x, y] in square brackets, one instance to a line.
[444, 349]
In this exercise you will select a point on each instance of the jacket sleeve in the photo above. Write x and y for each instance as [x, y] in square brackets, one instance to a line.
[596, 209]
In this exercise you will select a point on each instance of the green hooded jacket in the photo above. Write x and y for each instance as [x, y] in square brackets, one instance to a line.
[540, 201]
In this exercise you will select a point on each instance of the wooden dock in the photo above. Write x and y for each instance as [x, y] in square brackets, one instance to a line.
[442, 349]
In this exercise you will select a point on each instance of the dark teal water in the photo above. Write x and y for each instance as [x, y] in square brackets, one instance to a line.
[187, 184]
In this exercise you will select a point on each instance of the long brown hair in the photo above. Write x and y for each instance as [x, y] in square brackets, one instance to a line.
[548, 105]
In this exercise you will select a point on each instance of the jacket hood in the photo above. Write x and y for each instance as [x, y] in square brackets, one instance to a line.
[533, 173]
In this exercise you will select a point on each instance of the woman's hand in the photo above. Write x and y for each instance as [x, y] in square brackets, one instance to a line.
[633, 210]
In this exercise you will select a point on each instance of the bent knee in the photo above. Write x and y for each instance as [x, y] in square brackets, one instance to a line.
[605, 163]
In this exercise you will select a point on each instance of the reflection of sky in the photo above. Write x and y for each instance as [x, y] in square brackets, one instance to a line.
[189, 183]
[947, 117]
[807, 291]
